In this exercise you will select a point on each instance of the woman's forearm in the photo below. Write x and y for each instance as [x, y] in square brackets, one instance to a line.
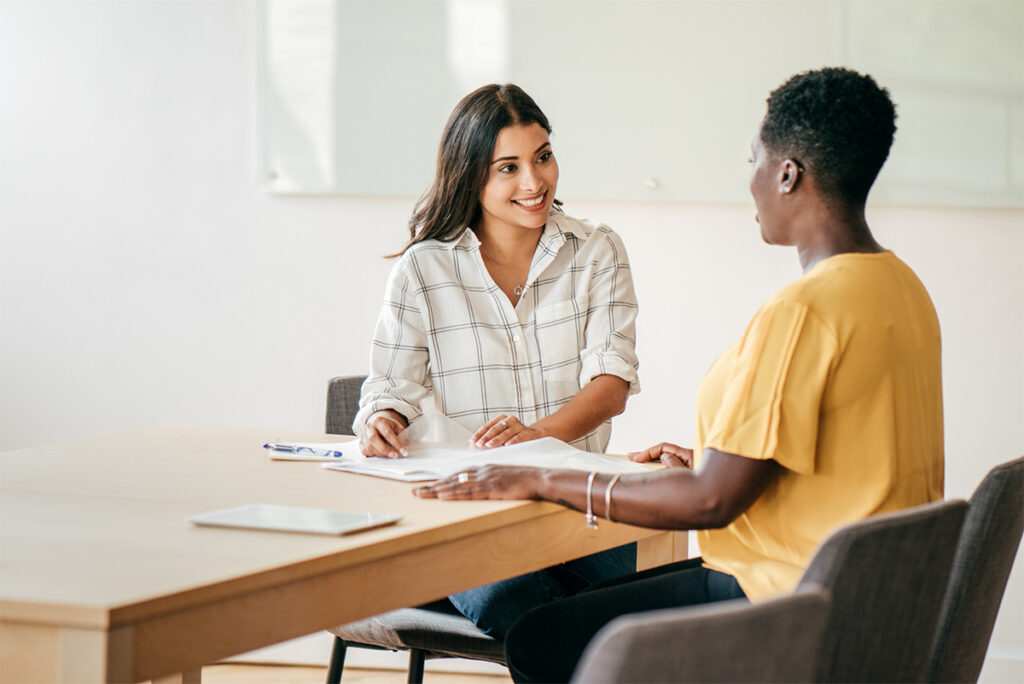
[675, 498]
[603, 397]
[664, 499]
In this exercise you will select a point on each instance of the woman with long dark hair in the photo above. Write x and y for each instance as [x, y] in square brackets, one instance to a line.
[514, 319]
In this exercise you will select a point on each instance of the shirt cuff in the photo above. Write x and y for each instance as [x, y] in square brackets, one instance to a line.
[609, 363]
[410, 412]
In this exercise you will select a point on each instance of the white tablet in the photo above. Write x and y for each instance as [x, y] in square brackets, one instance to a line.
[294, 519]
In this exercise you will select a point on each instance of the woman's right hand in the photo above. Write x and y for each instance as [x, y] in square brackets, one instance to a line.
[670, 454]
[384, 435]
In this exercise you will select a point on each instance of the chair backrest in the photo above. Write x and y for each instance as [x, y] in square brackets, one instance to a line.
[342, 403]
[984, 557]
[887, 576]
[776, 640]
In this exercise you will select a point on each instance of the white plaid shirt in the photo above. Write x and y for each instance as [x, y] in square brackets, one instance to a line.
[447, 329]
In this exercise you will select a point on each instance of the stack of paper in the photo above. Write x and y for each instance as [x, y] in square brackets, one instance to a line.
[439, 447]
[432, 462]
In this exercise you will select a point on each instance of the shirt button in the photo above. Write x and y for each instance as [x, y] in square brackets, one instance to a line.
[516, 339]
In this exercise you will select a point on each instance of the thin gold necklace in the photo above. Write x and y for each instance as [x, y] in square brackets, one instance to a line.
[518, 289]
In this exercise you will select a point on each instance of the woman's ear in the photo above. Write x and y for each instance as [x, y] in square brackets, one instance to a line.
[789, 176]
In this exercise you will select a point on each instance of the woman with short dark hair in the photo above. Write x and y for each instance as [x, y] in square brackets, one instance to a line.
[827, 410]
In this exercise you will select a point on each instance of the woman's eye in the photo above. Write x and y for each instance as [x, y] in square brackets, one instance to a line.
[507, 168]
[544, 157]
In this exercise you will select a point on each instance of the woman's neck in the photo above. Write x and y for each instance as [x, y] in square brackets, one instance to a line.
[509, 243]
[829, 231]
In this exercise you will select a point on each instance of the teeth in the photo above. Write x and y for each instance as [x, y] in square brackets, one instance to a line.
[530, 203]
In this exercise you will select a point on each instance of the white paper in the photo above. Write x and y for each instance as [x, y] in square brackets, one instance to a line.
[433, 430]
[439, 447]
[347, 449]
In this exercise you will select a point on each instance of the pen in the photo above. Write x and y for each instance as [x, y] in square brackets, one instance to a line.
[294, 449]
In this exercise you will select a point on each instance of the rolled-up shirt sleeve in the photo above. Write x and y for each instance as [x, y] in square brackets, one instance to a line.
[399, 376]
[610, 335]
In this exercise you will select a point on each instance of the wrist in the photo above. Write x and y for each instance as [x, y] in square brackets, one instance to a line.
[542, 485]
[542, 429]
[390, 414]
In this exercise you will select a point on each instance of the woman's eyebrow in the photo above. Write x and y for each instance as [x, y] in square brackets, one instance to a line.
[513, 158]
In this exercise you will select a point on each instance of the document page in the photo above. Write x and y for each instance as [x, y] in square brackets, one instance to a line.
[439, 447]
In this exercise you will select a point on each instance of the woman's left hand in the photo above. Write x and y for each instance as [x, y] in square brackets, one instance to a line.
[672, 455]
[503, 431]
[487, 482]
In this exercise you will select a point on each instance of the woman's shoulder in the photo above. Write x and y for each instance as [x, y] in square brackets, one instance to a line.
[434, 249]
[590, 234]
[434, 245]
[428, 260]
[840, 287]
[582, 228]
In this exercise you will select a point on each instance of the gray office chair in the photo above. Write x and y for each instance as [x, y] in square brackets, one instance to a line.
[887, 576]
[984, 556]
[436, 630]
[777, 640]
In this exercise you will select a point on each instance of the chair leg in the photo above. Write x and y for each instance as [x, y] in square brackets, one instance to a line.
[337, 661]
[416, 657]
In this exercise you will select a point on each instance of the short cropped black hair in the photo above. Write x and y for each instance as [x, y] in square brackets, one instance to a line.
[837, 123]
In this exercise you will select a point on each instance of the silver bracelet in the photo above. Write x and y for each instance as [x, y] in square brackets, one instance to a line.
[608, 496]
[591, 518]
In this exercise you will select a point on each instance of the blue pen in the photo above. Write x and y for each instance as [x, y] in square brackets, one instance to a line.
[294, 449]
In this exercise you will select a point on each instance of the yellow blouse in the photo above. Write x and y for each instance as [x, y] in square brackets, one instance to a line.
[838, 379]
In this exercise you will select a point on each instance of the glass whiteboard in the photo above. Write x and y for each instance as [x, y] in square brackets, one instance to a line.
[649, 99]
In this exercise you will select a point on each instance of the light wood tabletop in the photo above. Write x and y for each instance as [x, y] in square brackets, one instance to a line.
[103, 579]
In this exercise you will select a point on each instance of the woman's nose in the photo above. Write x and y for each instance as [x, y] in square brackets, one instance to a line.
[529, 179]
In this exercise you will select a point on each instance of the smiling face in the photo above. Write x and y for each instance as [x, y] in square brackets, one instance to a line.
[521, 180]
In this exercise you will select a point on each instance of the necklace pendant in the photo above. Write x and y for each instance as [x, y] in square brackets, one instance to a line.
[518, 290]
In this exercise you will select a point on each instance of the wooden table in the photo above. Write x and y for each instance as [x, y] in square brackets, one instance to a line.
[102, 578]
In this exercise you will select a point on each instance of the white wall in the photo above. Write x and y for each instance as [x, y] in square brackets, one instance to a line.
[144, 279]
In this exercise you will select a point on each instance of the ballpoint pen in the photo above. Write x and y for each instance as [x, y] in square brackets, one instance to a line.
[296, 449]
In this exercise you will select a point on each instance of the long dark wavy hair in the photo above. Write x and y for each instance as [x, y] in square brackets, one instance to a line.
[464, 158]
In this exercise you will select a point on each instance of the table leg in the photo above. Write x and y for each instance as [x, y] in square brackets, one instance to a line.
[47, 653]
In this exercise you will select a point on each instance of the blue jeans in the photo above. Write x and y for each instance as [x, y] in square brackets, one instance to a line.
[494, 607]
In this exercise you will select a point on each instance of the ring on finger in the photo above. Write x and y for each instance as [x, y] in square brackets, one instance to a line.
[503, 424]
[463, 478]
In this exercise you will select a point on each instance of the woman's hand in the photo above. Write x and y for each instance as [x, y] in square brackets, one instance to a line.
[671, 455]
[488, 482]
[384, 435]
[504, 430]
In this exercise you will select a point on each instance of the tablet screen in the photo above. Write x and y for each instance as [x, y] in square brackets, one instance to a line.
[294, 519]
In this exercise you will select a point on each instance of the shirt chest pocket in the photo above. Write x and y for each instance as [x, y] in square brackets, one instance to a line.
[559, 329]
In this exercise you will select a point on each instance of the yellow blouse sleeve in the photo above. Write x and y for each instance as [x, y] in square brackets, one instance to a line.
[772, 399]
